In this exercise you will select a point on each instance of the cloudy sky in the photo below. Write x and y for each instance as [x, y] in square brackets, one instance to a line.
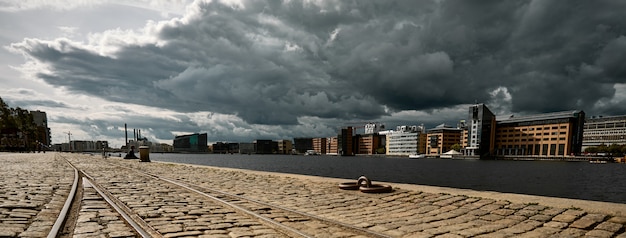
[244, 70]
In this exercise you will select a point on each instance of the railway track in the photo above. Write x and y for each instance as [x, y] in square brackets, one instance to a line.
[152, 205]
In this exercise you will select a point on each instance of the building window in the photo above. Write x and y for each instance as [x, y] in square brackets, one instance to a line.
[537, 148]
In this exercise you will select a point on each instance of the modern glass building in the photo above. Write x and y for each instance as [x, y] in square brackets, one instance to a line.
[191, 143]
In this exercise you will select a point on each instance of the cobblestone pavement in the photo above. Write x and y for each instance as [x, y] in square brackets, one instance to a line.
[170, 210]
[97, 219]
[406, 212]
[33, 189]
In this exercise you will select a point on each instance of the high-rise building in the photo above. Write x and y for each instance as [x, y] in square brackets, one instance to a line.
[320, 146]
[41, 120]
[481, 126]
[344, 142]
[332, 147]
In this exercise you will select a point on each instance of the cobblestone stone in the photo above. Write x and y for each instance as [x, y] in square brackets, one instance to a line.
[588, 221]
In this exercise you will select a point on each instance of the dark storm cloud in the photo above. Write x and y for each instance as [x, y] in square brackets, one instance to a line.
[272, 62]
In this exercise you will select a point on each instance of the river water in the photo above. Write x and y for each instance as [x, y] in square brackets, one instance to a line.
[578, 180]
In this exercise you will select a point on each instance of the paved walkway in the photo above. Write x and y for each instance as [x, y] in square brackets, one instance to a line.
[409, 211]
[416, 211]
[33, 189]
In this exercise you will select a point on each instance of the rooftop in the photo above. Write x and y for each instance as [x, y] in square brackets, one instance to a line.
[537, 117]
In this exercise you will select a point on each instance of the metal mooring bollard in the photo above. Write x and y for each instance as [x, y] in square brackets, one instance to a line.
[144, 153]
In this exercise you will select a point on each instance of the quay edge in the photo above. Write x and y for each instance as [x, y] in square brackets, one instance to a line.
[613, 209]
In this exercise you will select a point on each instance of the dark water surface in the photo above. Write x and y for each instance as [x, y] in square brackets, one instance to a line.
[578, 180]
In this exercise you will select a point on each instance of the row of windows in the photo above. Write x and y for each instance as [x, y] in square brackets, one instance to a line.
[622, 138]
[604, 125]
[534, 134]
[604, 132]
[533, 149]
[530, 139]
[403, 141]
[502, 130]
[402, 147]
[413, 135]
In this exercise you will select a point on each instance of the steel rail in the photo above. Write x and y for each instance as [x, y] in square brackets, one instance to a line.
[58, 224]
[119, 209]
[279, 226]
[328, 221]
[123, 210]
[123, 213]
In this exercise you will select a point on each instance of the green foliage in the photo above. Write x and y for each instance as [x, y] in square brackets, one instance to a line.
[18, 130]
[613, 149]
[456, 147]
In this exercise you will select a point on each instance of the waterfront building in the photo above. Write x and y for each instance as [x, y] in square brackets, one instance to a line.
[369, 144]
[332, 146]
[441, 139]
[41, 120]
[161, 147]
[320, 145]
[551, 134]
[480, 131]
[406, 140]
[344, 142]
[301, 145]
[373, 127]
[87, 146]
[219, 148]
[225, 147]
[604, 131]
[246, 148]
[191, 143]
[284, 146]
[465, 138]
[265, 146]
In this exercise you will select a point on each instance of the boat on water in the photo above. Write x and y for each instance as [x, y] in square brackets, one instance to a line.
[597, 161]
[311, 152]
[416, 156]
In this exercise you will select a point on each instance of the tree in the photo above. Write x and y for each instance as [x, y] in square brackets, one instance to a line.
[615, 149]
[591, 150]
[18, 130]
[456, 147]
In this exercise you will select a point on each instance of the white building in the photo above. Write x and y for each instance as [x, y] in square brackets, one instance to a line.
[374, 127]
[604, 130]
[406, 140]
